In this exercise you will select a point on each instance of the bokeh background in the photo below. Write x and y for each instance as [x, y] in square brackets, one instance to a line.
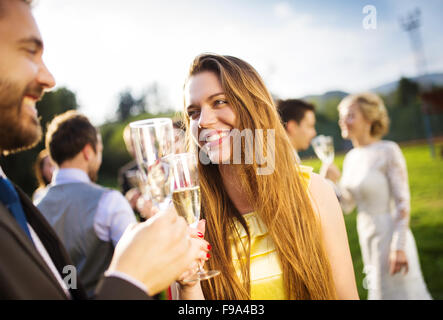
[118, 61]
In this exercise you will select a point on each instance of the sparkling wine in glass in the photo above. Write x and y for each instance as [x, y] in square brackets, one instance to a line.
[324, 148]
[153, 141]
[186, 198]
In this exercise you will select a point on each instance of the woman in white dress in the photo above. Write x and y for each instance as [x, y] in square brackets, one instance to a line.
[375, 180]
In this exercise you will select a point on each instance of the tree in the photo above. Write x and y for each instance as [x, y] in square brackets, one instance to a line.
[54, 103]
[126, 105]
[407, 92]
[129, 105]
[153, 99]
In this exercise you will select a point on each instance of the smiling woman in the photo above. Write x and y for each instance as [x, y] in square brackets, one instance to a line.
[275, 236]
[207, 110]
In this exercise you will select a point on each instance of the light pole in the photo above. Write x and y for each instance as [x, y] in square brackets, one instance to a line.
[411, 24]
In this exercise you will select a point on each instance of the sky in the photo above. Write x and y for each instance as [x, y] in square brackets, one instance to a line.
[100, 48]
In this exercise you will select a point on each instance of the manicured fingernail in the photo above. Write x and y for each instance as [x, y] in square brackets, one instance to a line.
[209, 247]
[208, 255]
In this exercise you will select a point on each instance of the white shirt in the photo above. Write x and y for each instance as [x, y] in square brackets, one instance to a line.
[114, 212]
[297, 157]
[47, 258]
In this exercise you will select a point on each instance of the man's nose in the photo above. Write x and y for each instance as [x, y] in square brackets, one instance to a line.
[45, 77]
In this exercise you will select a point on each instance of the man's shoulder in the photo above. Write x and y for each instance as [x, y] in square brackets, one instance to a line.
[113, 200]
[99, 187]
[67, 187]
[74, 191]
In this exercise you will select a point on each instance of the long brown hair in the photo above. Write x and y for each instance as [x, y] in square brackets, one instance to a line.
[280, 199]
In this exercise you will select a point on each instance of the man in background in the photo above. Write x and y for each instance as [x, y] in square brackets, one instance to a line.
[75, 146]
[298, 117]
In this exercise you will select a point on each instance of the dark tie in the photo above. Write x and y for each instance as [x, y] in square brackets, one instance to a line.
[10, 199]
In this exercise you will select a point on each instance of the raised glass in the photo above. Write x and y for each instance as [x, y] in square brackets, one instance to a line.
[324, 148]
[186, 198]
[153, 141]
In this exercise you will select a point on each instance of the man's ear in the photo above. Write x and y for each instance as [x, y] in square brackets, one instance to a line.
[87, 152]
[291, 127]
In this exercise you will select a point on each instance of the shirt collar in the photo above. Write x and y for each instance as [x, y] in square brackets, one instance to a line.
[2, 174]
[69, 175]
[297, 157]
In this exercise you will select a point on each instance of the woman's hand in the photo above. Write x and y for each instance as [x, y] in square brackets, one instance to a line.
[156, 252]
[398, 261]
[331, 172]
[192, 290]
[197, 233]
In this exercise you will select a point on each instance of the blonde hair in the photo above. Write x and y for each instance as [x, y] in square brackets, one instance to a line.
[280, 199]
[373, 110]
[38, 168]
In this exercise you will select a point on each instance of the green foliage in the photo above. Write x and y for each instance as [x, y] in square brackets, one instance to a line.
[19, 167]
[56, 102]
[330, 109]
[426, 185]
[152, 99]
[406, 123]
[406, 93]
[129, 105]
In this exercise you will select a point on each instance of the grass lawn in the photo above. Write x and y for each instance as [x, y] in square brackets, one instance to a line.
[426, 184]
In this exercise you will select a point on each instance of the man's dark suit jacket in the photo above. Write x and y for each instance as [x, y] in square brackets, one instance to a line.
[25, 275]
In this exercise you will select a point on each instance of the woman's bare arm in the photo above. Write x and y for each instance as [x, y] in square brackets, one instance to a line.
[325, 203]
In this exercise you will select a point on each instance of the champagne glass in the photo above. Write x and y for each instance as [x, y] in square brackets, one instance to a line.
[153, 140]
[135, 180]
[186, 198]
[324, 149]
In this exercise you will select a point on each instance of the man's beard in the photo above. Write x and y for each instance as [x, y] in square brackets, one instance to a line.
[18, 130]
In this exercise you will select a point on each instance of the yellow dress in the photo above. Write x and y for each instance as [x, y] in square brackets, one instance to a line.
[265, 271]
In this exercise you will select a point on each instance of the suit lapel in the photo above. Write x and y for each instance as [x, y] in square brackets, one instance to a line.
[9, 222]
[50, 240]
